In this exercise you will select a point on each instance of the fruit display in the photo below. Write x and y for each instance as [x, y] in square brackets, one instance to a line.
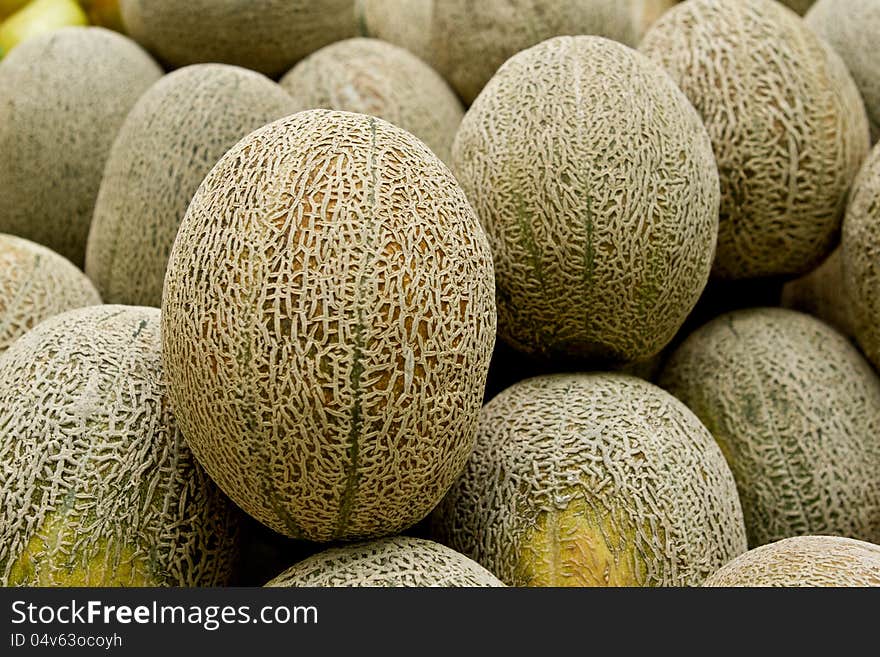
[435, 294]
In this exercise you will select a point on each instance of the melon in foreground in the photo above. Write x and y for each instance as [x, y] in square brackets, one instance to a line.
[796, 411]
[370, 76]
[66, 95]
[268, 36]
[804, 561]
[168, 143]
[396, 561]
[35, 284]
[593, 480]
[787, 124]
[328, 320]
[99, 488]
[595, 181]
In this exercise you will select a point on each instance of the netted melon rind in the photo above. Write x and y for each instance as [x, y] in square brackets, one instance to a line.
[823, 294]
[98, 486]
[597, 187]
[391, 562]
[373, 77]
[788, 127]
[66, 93]
[35, 284]
[796, 410]
[861, 256]
[328, 320]
[268, 36]
[466, 42]
[617, 477]
[803, 561]
[167, 145]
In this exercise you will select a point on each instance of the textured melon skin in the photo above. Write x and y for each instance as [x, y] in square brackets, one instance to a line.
[861, 256]
[466, 42]
[823, 293]
[596, 184]
[328, 320]
[593, 480]
[804, 561]
[68, 93]
[98, 486]
[788, 127]
[796, 411]
[646, 12]
[268, 36]
[35, 284]
[851, 28]
[170, 140]
[391, 562]
[370, 76]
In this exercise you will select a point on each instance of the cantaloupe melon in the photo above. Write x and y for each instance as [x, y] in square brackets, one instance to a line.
[796, 411]
[822, 293]
[593, 480]
[596, 184]
[268, 36]
[646, 12]
[170, 140]
[35, 284]
[787, 124]
[328, 319]
[395, 561]
[98, 486]
[467, 41]
[851, 28]
[804, 561]
[65, 94]
[861, 256]
[374, 77]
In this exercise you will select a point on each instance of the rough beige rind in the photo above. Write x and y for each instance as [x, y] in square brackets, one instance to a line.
[804, 561]
[66, 95]
[170, 140]
[823, 293]
[796, 411]
[861, 256]
[35, 284]
[268, 36]
[97, 487]
[593, 480]
[392, 562]
[466, 42]
[596, 184]
[787, 124]
[852, 28]
[373, 77]
[328, 319]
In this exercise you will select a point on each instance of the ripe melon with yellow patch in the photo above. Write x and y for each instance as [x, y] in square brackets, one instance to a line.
[593, 480]
[99, 487]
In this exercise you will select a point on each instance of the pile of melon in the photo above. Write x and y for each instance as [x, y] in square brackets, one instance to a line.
[374, 293]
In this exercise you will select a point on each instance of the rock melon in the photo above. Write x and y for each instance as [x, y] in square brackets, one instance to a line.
[328, 319]
[374, 77]
[796, 411]
[170, 140]
[35, 284]
[851, 28]
[65, 94]
[268, 36]
[646, 12]
[804, 561]
[98, 487]
[822, 293]
[593, 480]
[861, 256]
[787, 124]
[467, 41]
[396, 561]
[596, 184]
